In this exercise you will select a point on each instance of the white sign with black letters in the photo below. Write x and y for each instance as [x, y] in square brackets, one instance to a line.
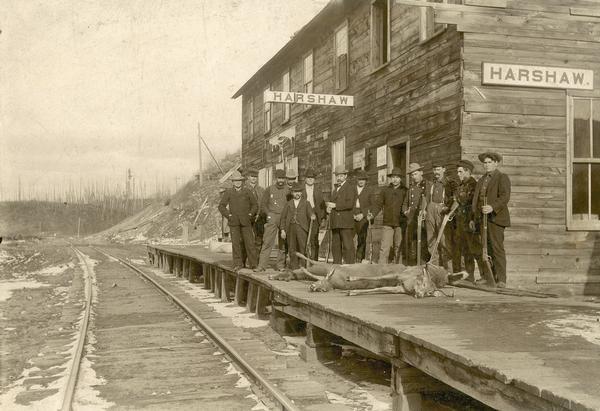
[537, 76]
[308, 98]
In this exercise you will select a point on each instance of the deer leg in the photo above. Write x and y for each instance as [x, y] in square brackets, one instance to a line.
[380, 290]
[381, 277]
[309, 275]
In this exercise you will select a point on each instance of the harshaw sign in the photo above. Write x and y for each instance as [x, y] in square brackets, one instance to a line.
[537, 76]
[308, 98]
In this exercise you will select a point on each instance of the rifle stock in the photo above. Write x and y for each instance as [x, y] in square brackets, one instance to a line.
[487, 260]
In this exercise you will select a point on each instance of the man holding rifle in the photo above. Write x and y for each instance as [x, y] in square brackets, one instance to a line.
[363, 217]
[490, 201]
[414, 206]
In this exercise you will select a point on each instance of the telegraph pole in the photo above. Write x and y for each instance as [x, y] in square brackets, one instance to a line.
[200, 172]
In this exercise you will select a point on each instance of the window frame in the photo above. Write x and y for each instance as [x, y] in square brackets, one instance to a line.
[376, 65]
[267, 112]
[427, 30]
[312, 73]
[250, 118]
[336, 78]
[341, 140]
[573, 224]
[286, 110]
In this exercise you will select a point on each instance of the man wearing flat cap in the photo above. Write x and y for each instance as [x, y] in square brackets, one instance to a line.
[239, 207]
[415, 204]
[313, 193]
[363, 212]
[257, 191]
[390, 200]
[469, 242]
[296, 217]
[271, 207]
[341, 210]
[491, 197]
[439, 201]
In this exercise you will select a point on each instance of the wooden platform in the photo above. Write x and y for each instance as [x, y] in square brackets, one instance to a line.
[507, 352]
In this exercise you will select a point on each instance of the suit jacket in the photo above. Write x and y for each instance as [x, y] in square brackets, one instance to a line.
[238, 206]
[319, 208]
[391, 200]
[366, 200]
[498, 195]
[257, 191]
[302, 214]
[342, 216]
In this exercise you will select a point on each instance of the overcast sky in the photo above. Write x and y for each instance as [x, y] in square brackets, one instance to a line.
[91, 88]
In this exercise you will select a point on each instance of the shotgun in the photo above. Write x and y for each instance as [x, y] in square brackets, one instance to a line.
[447, 218]
[330, 238]
[370, 239]
[487, 260]
[419, 228]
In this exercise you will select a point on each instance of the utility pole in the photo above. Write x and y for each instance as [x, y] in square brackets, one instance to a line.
[200, 172]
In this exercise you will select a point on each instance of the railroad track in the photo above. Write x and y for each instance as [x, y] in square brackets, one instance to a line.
[105, 322]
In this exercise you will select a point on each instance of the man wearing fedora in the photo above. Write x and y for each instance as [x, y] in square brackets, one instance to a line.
[415, 204]
[390, 201]
[257, 191]
[491, 197]
[313, 193]
[239, 207]
[468, 242]
[341, 210]
[440, 197]
[363, 213]
[296, 217]
[271, 207]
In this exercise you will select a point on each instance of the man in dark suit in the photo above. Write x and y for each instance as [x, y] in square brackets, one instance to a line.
[239, 207]
[257, 191]
[313, 193]
[415, 204]
[491, 197]
[390, 201]
[363, 213]
[295, 219]
[341, 210]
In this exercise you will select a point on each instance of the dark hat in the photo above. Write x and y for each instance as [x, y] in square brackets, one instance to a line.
[236, 176]
[396, 171]
[297, 187]
[279, 173]
[490, 154]
[361, 175]
[412, 167]
[222, 190]
[465, 164]
[310, 172]
[340, 170]
[251, 172]
[438, 164]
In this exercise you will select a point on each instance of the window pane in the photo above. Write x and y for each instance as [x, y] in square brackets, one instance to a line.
[596, 127]
[308, 68]
[580, 191]
[341, 41]
[595, 191]
[581, 128]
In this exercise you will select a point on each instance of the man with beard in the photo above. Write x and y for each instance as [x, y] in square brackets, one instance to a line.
[239, 207]
[363, 213]
[390, 201]
[341, 209]
[314, 195]
[439, 201]
[271, 206]
[415, 204]
[296, 217]
[469, 243]
[491, 197]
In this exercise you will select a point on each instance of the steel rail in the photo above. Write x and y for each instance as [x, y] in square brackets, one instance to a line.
[274, 392]
[73, 372]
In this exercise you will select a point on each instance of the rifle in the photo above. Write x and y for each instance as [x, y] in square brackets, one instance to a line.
[330, 238]
[307, 246]
[370, 239]
[419, 227]
[487, 260]
[447, 217]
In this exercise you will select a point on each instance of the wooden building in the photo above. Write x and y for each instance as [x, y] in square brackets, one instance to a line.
[446, 80]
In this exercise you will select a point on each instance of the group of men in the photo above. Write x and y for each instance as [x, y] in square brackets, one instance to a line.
[413, 229]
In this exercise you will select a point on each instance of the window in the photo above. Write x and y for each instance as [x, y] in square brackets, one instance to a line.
[428, 27]
[307, 71]
[267, 114]
[338, 156]
[340, 63]
[250, 118]
[285, 86]
[380, 33]
[583, 186]
[265, 176]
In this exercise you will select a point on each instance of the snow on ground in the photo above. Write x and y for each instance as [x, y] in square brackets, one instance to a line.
[585, 326]
[7, 258]
[53, 270]
[239, 315]
[8, 287]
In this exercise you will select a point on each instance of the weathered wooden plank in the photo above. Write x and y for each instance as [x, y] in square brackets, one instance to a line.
[486, 3]
[578, 11]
